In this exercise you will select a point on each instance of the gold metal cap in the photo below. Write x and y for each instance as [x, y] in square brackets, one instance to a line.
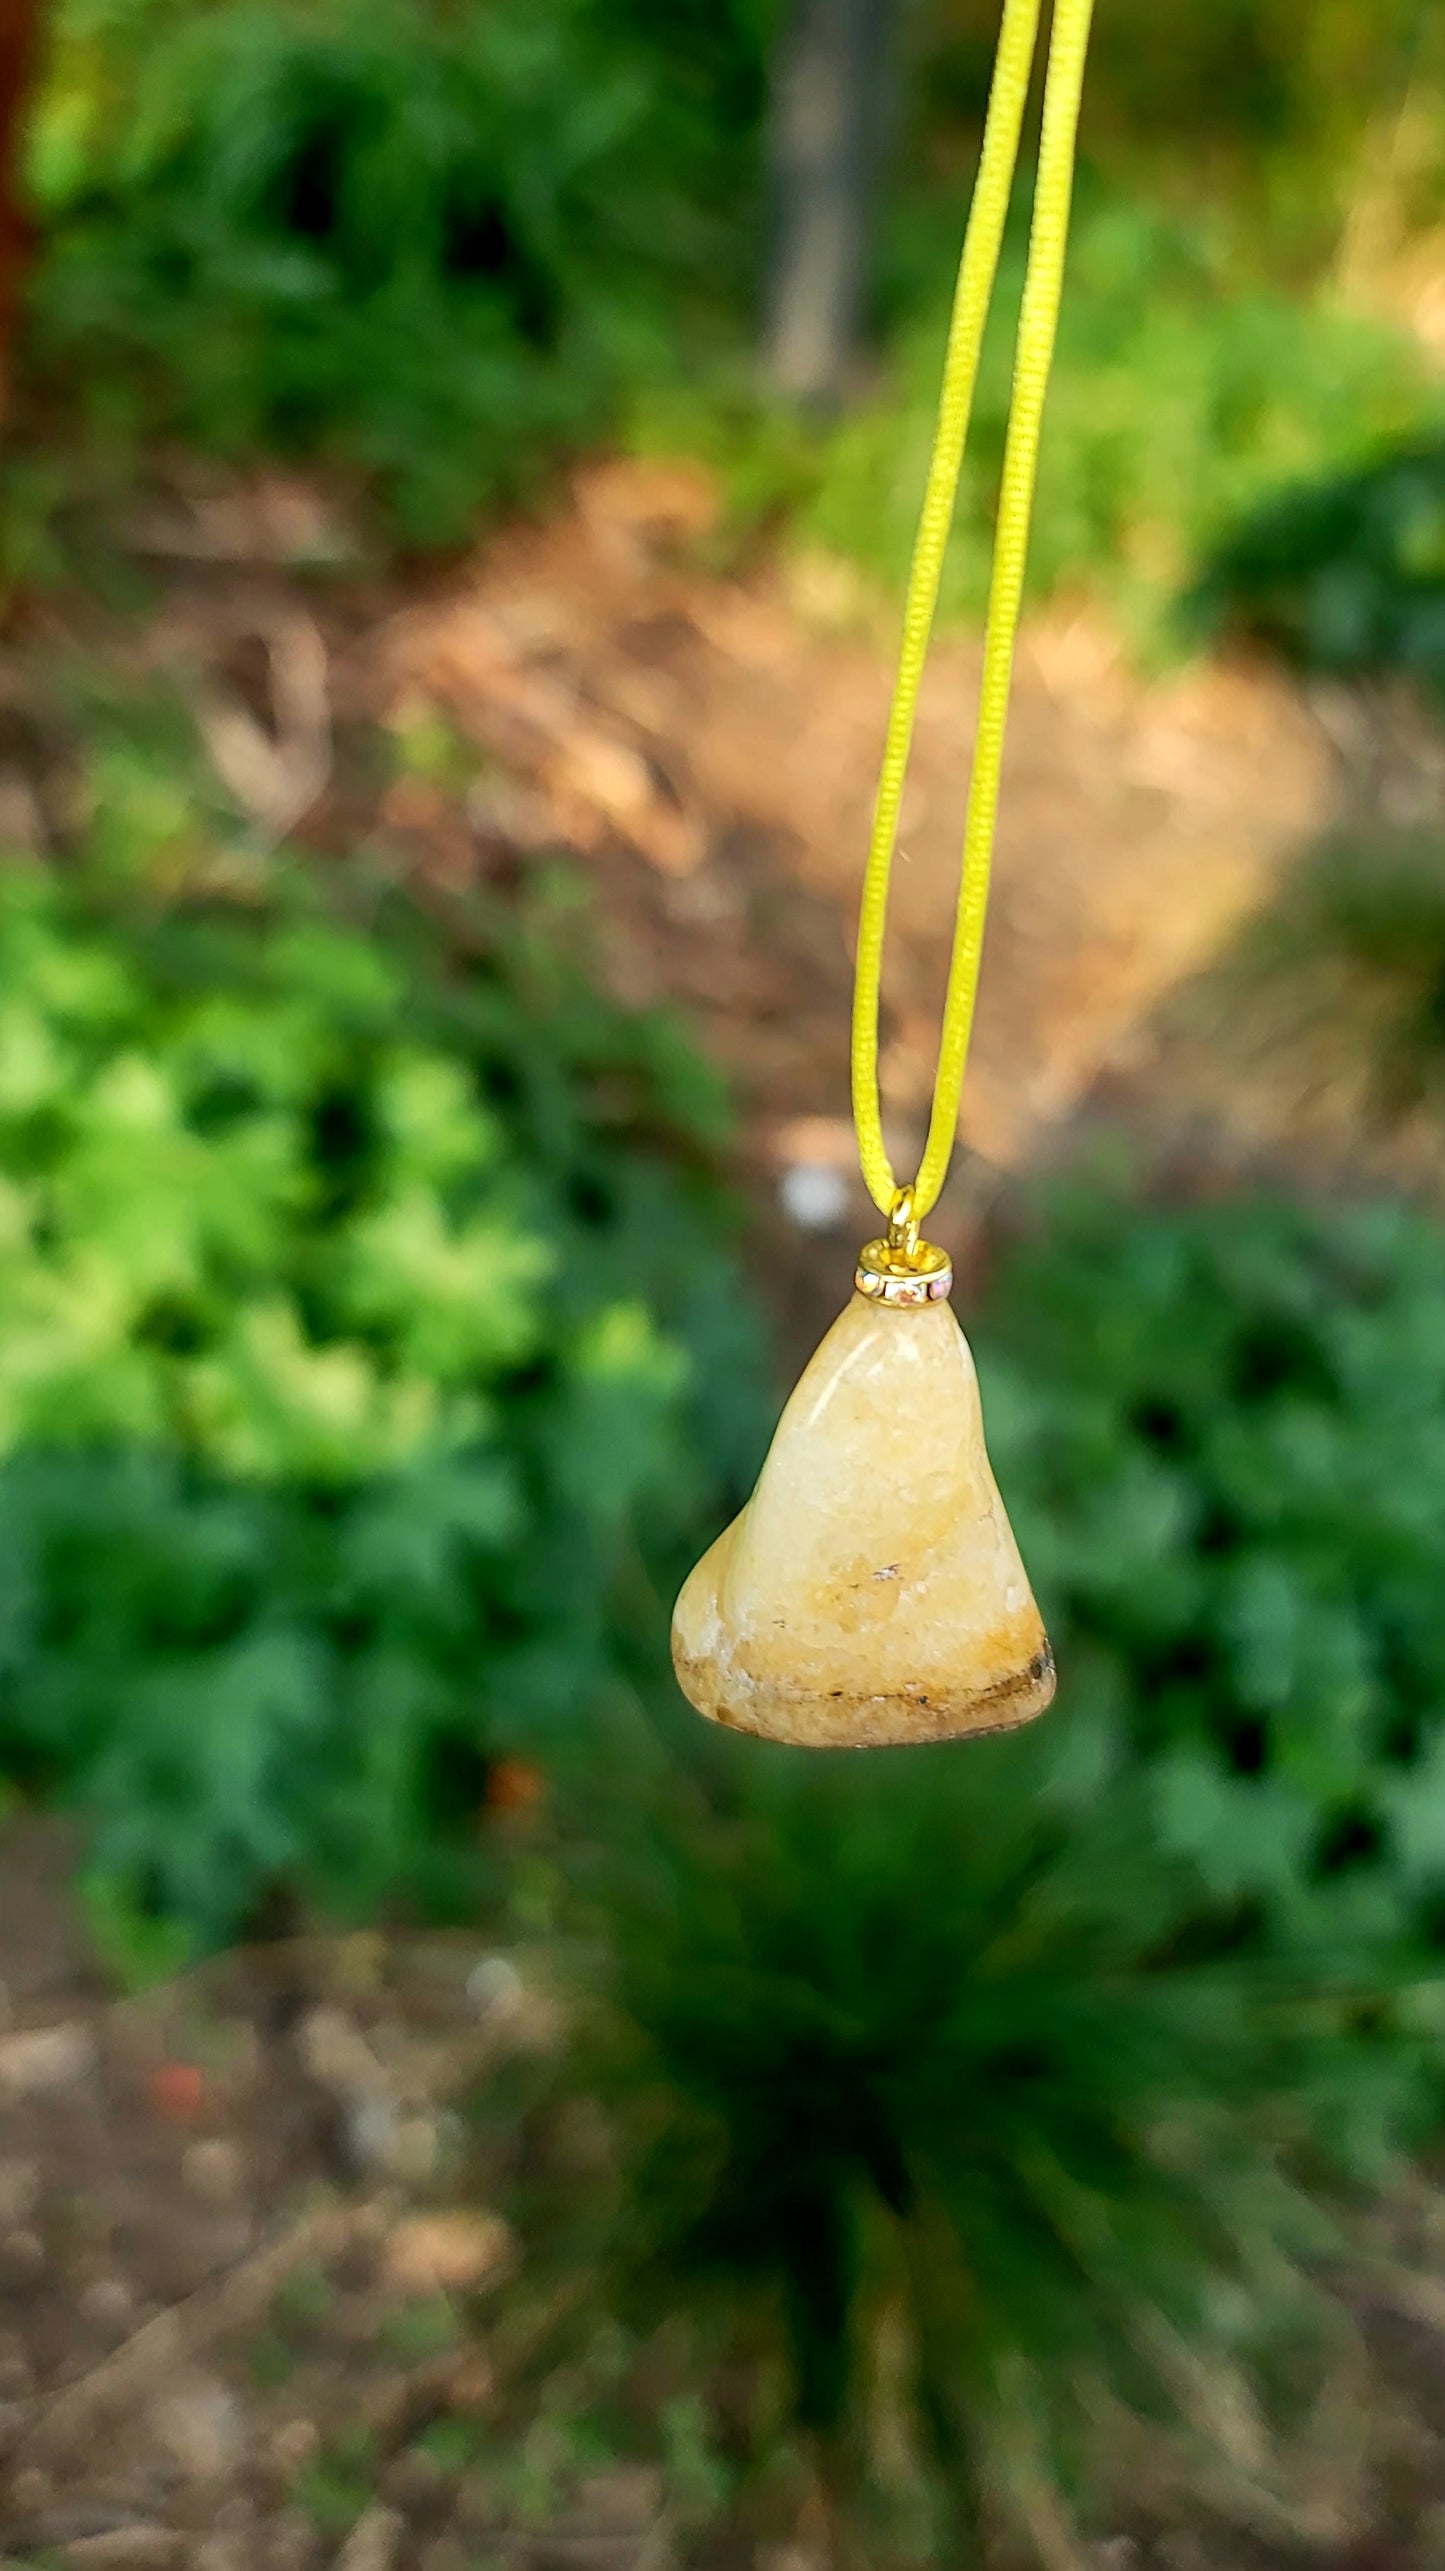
[901, 1269]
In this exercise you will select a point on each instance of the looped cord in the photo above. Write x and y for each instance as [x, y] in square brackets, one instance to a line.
[1038, 325]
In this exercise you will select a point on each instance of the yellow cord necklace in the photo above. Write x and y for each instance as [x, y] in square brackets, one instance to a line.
[871, 1592]
[1038, 323]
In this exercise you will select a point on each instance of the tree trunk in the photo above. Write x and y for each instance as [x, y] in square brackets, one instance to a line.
[19, 47]
[827, 123]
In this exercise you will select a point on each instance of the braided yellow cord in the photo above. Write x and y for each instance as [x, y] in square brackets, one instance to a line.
[1038, 323]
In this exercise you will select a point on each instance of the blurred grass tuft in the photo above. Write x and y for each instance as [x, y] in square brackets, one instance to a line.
[941, 2149]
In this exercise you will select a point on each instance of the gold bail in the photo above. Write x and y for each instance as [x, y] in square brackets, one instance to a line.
[902, 1269]
[903, 1227]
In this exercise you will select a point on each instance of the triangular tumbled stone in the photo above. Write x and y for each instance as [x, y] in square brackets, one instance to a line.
[871, 1591]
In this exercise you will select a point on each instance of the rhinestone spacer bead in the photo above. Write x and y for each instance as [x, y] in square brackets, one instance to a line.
[924, 1275]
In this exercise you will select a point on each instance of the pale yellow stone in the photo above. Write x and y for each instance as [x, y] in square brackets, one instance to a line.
[871, 1591]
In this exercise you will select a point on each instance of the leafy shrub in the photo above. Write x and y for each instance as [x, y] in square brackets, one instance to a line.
[1185, 385]
[426, 243]
[1222, 1431]
[355, 1266]
[1345, 574]
[1240, 93]
[436, 246]
[1328, 1011]
[923, 2126]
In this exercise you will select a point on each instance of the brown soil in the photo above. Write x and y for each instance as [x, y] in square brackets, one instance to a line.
[712, 743]
[245, 2279]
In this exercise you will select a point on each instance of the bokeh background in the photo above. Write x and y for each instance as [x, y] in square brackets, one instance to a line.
[459, 462]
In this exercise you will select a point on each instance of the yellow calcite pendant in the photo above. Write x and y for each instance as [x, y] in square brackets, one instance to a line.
[871, 1592]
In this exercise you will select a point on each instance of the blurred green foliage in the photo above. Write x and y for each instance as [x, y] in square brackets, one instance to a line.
[369, 1355]
[1345, 574]
[436, 246]
[1221, 1430]
[925, 2123]
[1185, 386]
[1272, 103]
[423, 242]
[1335, 997]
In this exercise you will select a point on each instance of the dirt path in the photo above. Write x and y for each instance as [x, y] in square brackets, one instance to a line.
[712, 743]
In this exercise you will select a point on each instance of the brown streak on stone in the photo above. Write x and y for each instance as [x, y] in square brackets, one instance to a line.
[1027, 1693]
